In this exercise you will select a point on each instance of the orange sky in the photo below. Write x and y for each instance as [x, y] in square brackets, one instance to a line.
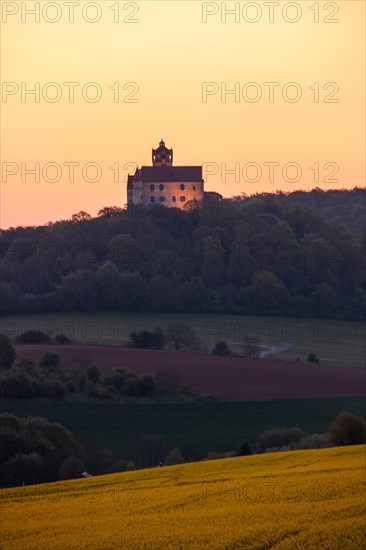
[169, 52]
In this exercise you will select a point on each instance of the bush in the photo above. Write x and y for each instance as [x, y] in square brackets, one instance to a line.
[62, 339]
[132, 387]
[313, 441]
[174, 457]
[347, 429]
[189, 451]
[50, 359]
[7, 352]
[279, 438]
[312, 358]
[32, 337]
[93, 373]
[244, 449]
[27, 468]
[71, 468]
[221, 348]
[150, 450]
[29, 364]
[130, 466]
[146, 384]
[148, 339]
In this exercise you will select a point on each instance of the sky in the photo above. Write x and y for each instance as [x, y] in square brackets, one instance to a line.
[111, 79]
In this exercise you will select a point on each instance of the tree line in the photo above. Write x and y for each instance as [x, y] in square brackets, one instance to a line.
[35, 450]
[267, 255]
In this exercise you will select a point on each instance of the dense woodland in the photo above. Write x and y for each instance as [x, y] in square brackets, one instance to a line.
[300, 254]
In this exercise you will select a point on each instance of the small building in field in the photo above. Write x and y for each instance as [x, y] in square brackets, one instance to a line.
[163, 183]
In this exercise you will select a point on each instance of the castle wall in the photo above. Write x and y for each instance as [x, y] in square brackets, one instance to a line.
[171, 190]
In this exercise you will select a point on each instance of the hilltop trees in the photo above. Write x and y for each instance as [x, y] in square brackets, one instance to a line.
[267, 254]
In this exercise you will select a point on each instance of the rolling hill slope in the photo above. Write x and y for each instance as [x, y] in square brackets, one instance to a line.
[303, 499]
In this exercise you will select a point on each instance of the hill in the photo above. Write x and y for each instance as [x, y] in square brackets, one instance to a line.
[268, 256]
[302, 499]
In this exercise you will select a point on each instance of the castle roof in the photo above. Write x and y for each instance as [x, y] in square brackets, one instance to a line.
[171, 173]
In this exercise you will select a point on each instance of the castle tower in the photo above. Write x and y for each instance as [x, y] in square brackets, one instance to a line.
[162, 156]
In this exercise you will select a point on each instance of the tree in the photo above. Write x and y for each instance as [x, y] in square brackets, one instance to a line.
[50, 359]
[7, 352]
[150, 450]
[32, 337]
[244, 449]
[80, 217]
[221, 348]
[181, 336]
[79, 290]
[174, 457]
[347, 429]
[130, 466]
[189, 451]
[146, 384]
[94, 374]
[110, 212]
[71, 468]
[279, 437]
[148, 339]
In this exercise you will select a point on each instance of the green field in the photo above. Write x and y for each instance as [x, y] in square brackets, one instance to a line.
[218, 426]
[334, 342]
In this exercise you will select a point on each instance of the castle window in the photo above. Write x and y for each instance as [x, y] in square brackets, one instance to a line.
[152, 199]
[182, 199]
[162, 199]
[194, 188]
[152, 188]
[161, 187]
[173, 199]
[182, 187]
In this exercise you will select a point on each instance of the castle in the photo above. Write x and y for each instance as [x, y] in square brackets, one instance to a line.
[163, 183]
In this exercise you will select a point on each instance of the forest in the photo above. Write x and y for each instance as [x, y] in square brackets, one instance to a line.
[299, 254]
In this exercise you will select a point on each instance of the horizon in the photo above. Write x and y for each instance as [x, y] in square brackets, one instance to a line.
[233, 197]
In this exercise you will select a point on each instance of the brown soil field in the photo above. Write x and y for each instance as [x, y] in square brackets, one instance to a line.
[227, 378]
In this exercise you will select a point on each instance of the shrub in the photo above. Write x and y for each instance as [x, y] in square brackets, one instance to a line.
[347, 429]
[130, 466]
[50, 359]
[62, 339]
[278, 438]
[93, 373]
[181, 336]
[150, 450]
[32, 337]
[146, 384]
[244, 449]
[27, 468]
[313, 441]
[148, 339]
[221, 348]
[28, 363]
[189, 451]
[174, 457]
[312, 358]
[7, 352]
[71, 468]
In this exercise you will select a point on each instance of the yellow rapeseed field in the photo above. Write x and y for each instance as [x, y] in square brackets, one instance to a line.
[294, 500]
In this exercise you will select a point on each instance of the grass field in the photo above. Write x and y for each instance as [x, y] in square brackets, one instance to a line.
[334, 342]
[288, 501]
[217, 426]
